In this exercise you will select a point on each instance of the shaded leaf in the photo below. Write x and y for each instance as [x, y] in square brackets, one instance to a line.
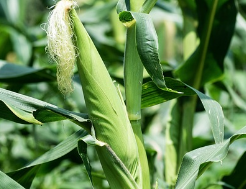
[12, 73]
[211, 56]
[195, 162]
[147, 44]
[82, 150]
[237, 178]
[152, 95]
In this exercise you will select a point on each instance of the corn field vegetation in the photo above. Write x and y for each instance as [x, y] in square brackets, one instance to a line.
[128, 94]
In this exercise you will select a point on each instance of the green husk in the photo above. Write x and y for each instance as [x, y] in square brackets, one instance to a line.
[106, 110]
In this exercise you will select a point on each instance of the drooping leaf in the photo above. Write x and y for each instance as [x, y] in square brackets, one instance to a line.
[195, 162]
[152, 95]
[147, 44]
[8, 183]
[215, 114]
[237, 177]
[13, 73]
[26, 174]
[23, 109]
[215, 34]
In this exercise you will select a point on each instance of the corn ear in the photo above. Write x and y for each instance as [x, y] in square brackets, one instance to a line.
[105, 108]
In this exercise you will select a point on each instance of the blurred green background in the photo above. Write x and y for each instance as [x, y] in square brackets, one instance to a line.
[26, 68]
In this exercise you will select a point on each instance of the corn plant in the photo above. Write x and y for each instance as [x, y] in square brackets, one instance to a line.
[112, 121]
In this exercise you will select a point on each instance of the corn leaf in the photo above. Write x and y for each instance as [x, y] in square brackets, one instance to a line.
[147, 45]
[82, 150]
[13, 73]
[23, 109]
[215, 33]
[237, 177]
[122, 5]
[195, 162]
[152, 95]
[26, 174]
[215, 114]
[8, 183]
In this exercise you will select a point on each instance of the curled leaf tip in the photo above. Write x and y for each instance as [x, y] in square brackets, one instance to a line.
[126, 18]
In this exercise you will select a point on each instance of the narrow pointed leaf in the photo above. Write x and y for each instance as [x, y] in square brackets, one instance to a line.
[25, 175]
[195, 162]
[23, 109]
[215, 114]
[82, 150]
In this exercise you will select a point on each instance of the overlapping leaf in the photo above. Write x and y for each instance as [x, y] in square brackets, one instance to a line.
[152, 95]
[198, 160]
[147, 45]
[23, 109]
[215, 34]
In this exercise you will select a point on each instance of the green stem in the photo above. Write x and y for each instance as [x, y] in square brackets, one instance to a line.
[133, 78]
[147, 6]
[204, 45]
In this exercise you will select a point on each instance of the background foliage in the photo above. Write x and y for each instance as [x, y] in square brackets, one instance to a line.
[25, 68]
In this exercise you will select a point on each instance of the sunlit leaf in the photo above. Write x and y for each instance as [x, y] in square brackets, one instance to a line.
[195, 162]
[23, 109]
[215, 114]
[8, 183]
